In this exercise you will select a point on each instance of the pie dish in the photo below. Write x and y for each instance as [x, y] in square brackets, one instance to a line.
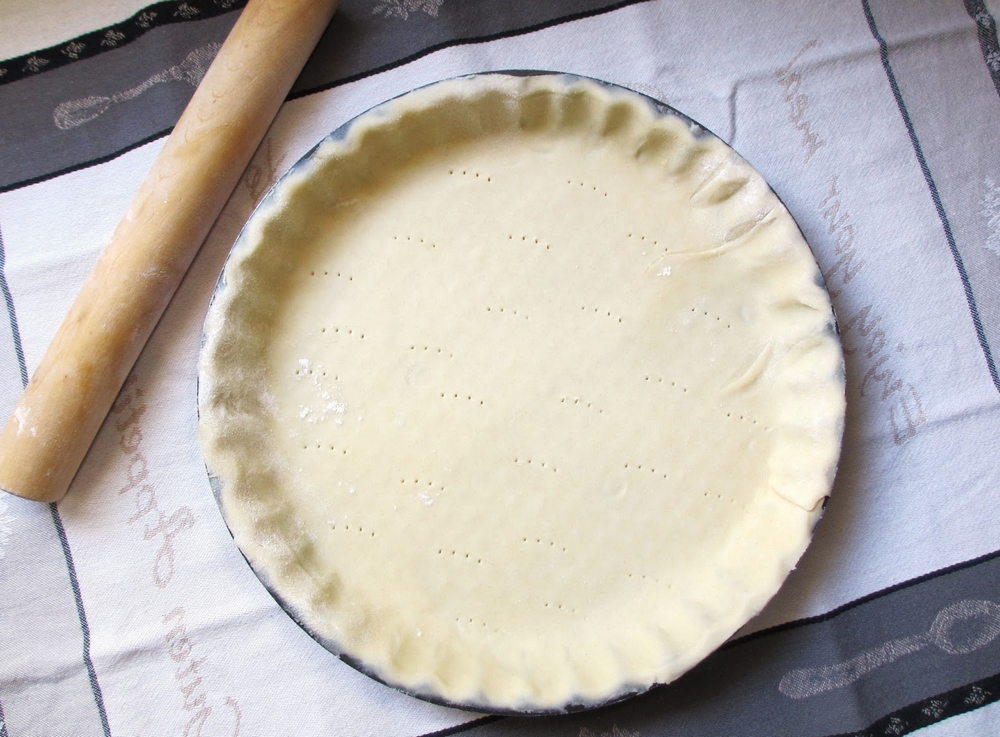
[521, 393]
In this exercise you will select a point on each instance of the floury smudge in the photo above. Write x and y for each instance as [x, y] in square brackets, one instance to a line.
[161, 527]
[862, 332]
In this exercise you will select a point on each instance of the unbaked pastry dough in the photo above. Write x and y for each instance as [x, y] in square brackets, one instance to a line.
[521, 393]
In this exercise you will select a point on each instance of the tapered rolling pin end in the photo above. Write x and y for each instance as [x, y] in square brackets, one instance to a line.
[51, 428]
[83, 369]
[36, 484]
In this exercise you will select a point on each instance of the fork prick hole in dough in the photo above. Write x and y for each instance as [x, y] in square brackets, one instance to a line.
[597, 313]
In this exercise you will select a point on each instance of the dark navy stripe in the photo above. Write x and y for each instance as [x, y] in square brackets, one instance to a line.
[949, 236]
[75, 584]
[986, 26]
[908, 719]
[56, 519]
[465, 41]
[881, 593]
[87, 164]
[933, 709]
[113, 37]
[458, 729]
[3, 723]
[9, 301]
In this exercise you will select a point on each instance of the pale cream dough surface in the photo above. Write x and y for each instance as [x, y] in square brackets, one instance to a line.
[520, 395]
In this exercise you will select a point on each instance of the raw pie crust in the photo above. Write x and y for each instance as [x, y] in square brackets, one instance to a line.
[521, 393]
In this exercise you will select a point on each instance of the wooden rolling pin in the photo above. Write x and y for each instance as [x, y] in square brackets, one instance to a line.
[81, 373]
